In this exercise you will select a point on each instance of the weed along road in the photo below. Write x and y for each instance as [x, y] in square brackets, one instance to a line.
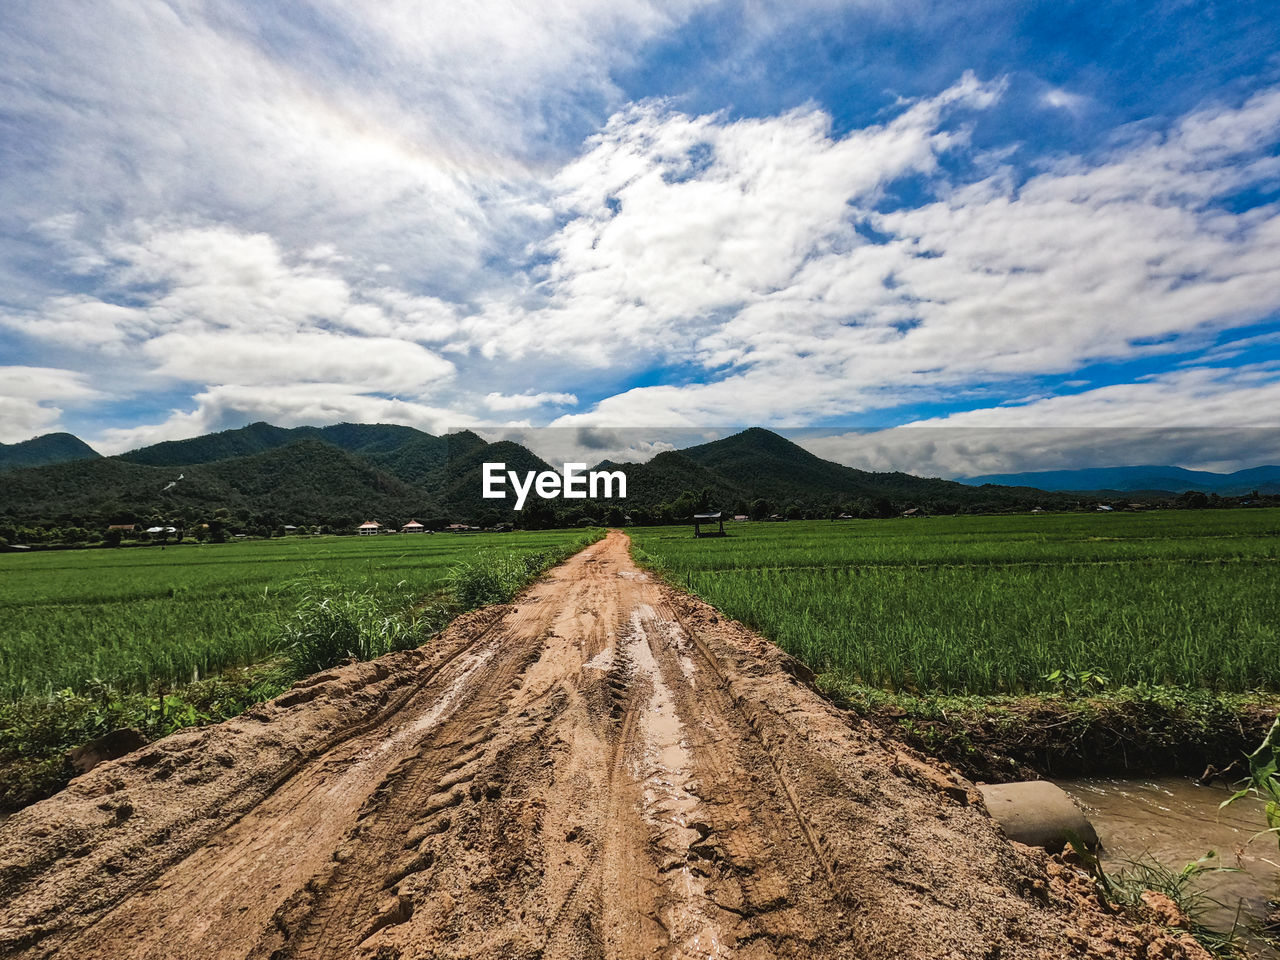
[604, 768]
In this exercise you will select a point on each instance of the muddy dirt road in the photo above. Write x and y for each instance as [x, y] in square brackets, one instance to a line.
[605, 768]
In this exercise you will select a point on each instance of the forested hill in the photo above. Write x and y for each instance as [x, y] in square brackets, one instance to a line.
[342, 474]
[41, 451]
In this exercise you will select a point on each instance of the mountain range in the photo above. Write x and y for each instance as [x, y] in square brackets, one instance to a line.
[347, 472]
[1264, 480]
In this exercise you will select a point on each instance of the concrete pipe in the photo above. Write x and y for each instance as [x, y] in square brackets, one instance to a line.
[1038, 813]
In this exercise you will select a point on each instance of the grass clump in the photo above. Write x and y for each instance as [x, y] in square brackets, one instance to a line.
[486, 577]
[37, 732]
[481, 580]
[1129, 888]
[1263, 781]
[329, 627]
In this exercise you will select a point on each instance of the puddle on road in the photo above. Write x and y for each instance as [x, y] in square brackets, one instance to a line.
[678, 639]
[1176, 822]
[664, 768]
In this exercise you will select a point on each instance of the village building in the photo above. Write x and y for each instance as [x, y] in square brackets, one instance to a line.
[413, 526]
[369, 528]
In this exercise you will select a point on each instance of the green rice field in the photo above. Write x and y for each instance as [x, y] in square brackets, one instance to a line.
[955, 604]
[136, 615]
[999, 603]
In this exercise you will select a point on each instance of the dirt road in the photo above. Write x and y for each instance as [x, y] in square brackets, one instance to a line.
[605, 768]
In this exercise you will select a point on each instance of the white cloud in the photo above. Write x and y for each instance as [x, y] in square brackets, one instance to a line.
[678, 221]
[1202, 418]
[314, 404]
[30, 399]
[1063, 100]
[376, 364]
[527, 401]
[1113, 259]
[209, 305]
[361, 188]
[403, 133]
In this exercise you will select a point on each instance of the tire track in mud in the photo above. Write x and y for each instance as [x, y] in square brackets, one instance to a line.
[605, 769]
[212, 899]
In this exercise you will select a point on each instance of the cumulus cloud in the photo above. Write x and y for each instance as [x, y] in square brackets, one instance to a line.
[1063, 99]
[840, 306]
[305, 404]
[391, 211]
[210, 305]
[1203, 418]
[30, 399]
[527, 401]
[403, 133]
[676, 223]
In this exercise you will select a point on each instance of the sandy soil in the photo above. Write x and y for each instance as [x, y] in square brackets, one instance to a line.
[605, 768]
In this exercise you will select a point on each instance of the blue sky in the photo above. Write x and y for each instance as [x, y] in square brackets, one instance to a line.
[906, 225]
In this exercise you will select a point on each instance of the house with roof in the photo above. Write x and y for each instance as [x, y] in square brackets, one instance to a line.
[413, 526]
[370, 528]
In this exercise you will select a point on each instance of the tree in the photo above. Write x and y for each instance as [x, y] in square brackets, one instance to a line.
[684, 507]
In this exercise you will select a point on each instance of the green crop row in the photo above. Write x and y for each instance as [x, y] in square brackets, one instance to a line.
[1002, 604]
[134, 617]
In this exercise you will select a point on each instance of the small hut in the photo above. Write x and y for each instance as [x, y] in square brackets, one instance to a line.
[701, 520]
